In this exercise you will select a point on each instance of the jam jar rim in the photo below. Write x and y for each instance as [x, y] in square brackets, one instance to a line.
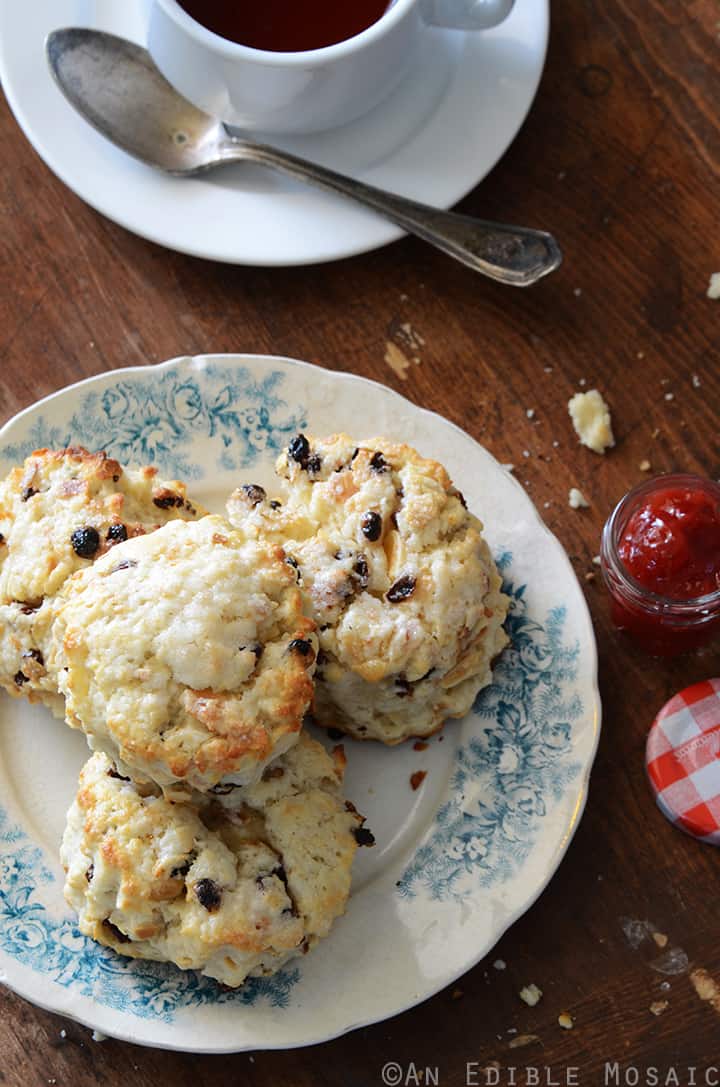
[612, 564]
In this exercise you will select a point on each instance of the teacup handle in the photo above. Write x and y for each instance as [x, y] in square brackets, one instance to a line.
[465, 14]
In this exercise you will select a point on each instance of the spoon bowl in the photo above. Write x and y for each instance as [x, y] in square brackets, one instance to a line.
[115, 85]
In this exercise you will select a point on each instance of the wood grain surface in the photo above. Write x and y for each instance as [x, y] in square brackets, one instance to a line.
[620, 157]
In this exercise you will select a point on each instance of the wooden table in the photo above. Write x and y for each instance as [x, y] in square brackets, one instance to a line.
[621, 158]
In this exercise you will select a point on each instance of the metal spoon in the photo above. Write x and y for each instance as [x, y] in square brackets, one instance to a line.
[115, 85]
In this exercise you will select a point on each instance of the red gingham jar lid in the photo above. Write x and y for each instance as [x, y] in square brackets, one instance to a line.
[682, 758]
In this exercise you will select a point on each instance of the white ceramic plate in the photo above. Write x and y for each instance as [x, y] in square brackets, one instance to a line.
[441, 132]
[455, 862]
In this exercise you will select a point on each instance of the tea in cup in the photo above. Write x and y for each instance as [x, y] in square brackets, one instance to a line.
[290, 66]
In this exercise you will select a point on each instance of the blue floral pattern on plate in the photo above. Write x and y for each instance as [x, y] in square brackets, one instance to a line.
[520, 760]
[155, 420]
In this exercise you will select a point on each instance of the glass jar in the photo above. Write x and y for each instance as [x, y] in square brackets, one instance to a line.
[664, 625]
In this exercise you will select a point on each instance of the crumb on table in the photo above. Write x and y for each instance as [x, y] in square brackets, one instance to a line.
[522, 1040]
[577, 500]
[591, 419]
[531, 994]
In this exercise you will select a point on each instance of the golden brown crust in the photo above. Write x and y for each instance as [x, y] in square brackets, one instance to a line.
[397, 575]
[230, 894]
[186, 655]
[59, 512]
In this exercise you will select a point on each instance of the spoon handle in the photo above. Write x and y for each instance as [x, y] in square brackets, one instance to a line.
[514, 255]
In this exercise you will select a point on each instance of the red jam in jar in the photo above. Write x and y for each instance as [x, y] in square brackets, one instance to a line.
[661, 563]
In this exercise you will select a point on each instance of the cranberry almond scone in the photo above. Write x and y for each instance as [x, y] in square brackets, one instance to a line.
[186, 657]
[397, 575]
[232, 894]
[59, 512]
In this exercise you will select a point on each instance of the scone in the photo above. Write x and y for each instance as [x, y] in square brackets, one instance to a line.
[185, 655]
[230, 894]
[58, 513]
[397, 575]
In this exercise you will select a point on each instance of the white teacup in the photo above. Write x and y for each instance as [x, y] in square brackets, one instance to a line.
[256, 89]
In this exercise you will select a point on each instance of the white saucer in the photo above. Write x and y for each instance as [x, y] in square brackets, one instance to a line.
[439, 134]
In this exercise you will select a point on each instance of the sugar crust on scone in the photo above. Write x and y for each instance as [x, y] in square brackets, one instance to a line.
[231, 894]
[59, 511]
[396, 573]
[185, 655]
